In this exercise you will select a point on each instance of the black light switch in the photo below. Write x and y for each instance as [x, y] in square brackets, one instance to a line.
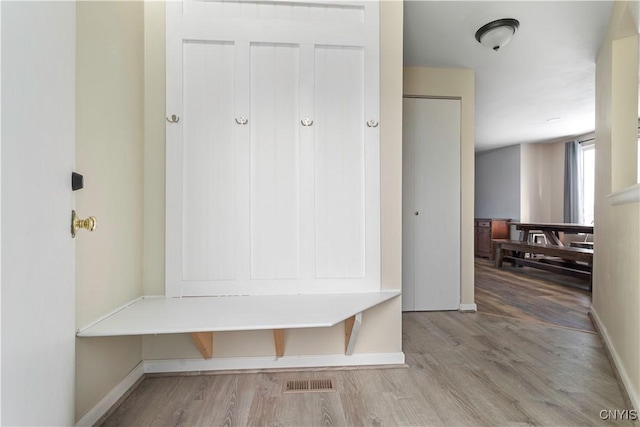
[77, 181]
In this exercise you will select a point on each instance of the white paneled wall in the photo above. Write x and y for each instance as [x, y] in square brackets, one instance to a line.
[272, 172]
[283, 10]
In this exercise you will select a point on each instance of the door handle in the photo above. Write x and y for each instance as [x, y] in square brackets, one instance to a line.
[77, 223]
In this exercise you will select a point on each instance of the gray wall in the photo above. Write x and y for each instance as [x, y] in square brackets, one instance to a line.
[498, 183]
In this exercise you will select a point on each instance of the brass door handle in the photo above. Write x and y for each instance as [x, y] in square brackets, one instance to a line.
[77, 223]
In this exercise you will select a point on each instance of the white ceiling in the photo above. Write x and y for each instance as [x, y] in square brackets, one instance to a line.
[547, 71]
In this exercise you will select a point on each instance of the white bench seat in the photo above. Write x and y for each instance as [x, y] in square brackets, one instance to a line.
[200, 315]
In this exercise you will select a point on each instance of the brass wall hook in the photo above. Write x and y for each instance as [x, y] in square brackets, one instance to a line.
[77, 223]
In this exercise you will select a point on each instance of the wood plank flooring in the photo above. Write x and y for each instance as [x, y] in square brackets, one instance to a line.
[533, 295]
[464, 369]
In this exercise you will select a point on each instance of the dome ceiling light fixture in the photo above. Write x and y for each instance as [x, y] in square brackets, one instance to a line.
[498, 33]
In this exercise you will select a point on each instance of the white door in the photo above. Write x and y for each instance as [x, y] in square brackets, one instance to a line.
[431, 204]
[38, 155]
[272, 171]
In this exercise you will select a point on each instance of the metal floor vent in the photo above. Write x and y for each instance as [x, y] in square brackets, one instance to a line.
[309, 385]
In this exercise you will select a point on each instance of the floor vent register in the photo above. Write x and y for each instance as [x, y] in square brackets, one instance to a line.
[309, 385]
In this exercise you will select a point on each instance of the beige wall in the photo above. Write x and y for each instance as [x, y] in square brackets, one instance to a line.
[624, 111]
[154, 148]
[385, 321]
[457, 83]
[381, 330]
[616, 289]
[542, 182]
[109, 153]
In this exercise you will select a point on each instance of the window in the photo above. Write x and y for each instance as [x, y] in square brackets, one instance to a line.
[588, 182]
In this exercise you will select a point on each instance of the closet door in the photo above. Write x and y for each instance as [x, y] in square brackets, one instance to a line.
[431, 204]
[272, 171]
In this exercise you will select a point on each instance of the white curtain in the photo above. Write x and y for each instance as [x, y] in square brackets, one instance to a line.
[572, 185]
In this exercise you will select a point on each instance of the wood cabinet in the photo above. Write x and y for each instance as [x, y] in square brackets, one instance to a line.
[485, 231]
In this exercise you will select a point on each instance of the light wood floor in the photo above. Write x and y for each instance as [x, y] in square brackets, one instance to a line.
[464, 369]
[533, 295]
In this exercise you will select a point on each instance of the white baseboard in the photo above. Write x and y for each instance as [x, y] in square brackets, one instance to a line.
[101, 408]
[622, 372]
[238, 363]
[468, 307]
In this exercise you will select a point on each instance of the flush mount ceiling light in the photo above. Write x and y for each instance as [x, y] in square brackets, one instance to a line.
[496, 34]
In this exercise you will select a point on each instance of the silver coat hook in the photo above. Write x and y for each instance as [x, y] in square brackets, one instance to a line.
[173, 119]
[306, 121]
[372, 124]
[241, 120]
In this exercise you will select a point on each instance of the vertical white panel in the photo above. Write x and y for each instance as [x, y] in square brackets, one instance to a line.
[242, 143]
[174, 153]
[437, 200]
[340, 162]
[408, 204]
[0, 227]
[208, 174]
[307, 164]
[372, 143]
[275, 205]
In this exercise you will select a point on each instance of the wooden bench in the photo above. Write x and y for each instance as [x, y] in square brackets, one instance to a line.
[585, 245]
[572, 261]
[203, 316]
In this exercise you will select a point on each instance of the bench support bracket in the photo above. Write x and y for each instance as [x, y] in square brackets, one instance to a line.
[204, 342]
[351, 329]
[278, 338]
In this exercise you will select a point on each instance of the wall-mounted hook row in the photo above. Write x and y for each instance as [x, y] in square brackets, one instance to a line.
[243, 121]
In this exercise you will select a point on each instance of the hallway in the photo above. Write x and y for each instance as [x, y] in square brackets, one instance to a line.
[481, 368]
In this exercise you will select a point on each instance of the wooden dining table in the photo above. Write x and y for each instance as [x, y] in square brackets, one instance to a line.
[551, 230]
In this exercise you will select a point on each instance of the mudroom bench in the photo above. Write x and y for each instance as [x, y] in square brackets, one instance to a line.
[202, 317]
